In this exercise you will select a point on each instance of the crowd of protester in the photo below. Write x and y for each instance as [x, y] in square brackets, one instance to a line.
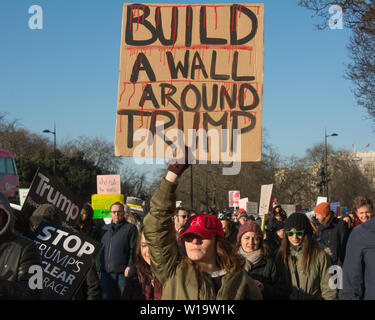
[177, 253]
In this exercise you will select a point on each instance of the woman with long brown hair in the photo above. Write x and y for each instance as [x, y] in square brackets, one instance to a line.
[211, 270]
[306, 264]
[141, 283]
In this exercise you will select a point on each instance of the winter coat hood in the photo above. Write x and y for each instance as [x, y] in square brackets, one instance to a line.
[7, 210]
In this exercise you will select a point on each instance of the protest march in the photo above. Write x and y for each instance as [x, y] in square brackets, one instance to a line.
[190, 92]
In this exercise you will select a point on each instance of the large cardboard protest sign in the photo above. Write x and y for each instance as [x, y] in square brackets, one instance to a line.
[191, 74]
[101, 204]
[108, 184]
[45, 189]
[66, 256]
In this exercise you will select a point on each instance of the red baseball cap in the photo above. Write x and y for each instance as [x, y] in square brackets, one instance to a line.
[204, 225]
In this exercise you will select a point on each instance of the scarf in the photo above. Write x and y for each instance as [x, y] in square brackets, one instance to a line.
[252, 258]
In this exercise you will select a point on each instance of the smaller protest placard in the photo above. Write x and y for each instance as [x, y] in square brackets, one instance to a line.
[265, 198]
[136, 205]
[310, 214]
[101, 204]
[252, 209]
[67, 257]
[22, 194]
[321, 199]
[289, 208]
[234, 197]
[108, 184]
[45, 189]
[335, 207]
[242, 203]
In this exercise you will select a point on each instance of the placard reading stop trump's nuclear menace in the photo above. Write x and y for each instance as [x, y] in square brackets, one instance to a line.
[191, 74]
[66, 256]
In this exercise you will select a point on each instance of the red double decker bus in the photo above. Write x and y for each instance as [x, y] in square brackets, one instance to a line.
[9, 180]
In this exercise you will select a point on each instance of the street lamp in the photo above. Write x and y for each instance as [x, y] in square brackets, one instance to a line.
[54, 147]
[326, 160]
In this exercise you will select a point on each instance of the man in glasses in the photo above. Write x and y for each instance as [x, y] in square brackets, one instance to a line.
[180, 219]
[118, 239]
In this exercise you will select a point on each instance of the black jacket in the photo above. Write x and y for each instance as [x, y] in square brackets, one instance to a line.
[273, 243]
[269, 272]
[90, 288]
[333, 235]
[358, 269]
[17, 255]
[118, 247]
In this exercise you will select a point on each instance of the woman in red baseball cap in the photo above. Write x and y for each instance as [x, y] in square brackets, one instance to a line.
[211, 270]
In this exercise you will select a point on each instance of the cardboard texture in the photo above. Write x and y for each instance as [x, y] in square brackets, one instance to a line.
[191, 67]
[108, 184]
[265, 198]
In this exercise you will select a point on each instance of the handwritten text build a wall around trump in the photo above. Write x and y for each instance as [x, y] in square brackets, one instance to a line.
[191, 66]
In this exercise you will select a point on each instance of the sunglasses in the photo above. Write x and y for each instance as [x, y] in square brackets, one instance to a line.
[184, 216]
[297, 233]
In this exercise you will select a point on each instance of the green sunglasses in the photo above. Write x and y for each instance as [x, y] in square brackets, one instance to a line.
[297, 233]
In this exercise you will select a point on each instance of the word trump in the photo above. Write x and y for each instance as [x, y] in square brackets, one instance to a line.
[56, 198]
[71, 243]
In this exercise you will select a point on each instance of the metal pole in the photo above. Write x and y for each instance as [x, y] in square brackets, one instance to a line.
[54, 150]
[326, 164]
[191, 186]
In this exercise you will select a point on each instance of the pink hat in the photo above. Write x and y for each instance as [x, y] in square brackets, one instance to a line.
[204, 225]
[249, 226]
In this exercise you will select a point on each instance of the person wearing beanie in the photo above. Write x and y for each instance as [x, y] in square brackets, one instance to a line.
[211, 270]
[17, 255]
[305, 262]
[259, 265]
[332, 233]
[242, 216]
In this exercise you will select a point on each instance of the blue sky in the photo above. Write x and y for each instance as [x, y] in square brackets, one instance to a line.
[68, 73]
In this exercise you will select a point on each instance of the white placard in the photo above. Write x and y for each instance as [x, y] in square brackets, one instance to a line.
[108, 184]
[265, 198]
[321, 199]
[243, 203]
